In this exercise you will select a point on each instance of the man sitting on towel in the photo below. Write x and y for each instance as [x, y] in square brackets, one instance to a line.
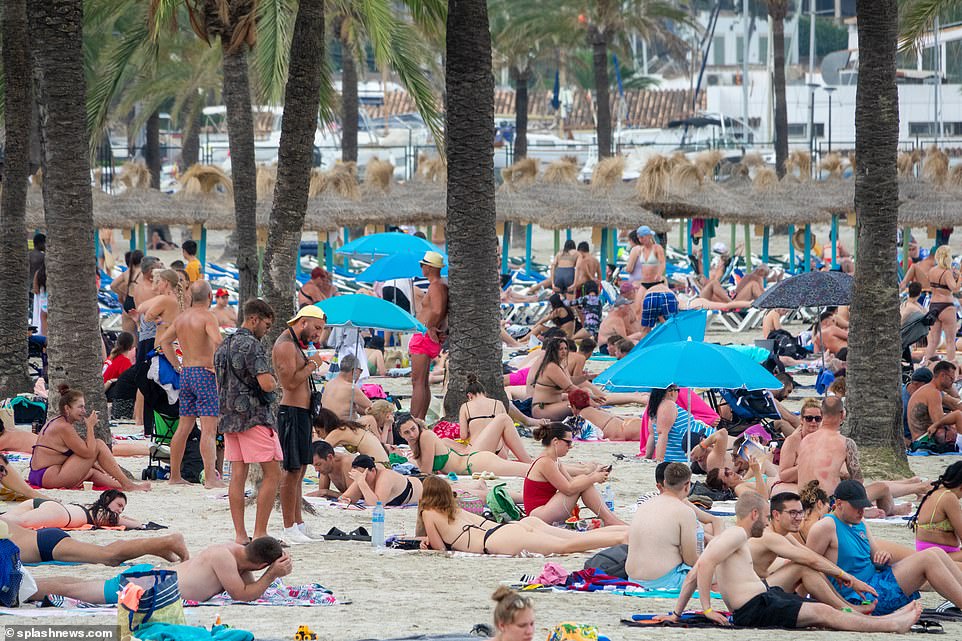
[226, 567]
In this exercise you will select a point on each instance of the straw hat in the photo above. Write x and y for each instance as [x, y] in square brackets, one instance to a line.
[433, 259]
[308, 311]
[798, 240]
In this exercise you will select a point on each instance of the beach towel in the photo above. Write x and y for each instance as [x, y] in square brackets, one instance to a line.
[164, 374]
[173, 632]
[278, 594]
[687, 620]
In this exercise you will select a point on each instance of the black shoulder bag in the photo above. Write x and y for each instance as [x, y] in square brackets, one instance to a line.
[315, 404]
[264, 398]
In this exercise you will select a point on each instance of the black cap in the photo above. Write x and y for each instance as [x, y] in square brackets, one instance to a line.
[363, 461]
[922, 375]
[853, 493]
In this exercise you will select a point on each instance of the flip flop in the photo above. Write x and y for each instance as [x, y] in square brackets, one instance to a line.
[335, 534]
[360, 534]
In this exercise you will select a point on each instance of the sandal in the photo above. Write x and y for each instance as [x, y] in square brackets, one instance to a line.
[360, 534]
[335, 534]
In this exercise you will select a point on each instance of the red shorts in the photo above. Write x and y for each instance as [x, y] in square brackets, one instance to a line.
[259, 444]
[422, 344]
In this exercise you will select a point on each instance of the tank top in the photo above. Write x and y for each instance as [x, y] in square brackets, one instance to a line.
[677, 452]
[854, 554]
[536, 493]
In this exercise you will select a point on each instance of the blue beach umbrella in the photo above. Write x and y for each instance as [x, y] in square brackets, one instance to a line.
[387, 244]
[678, 327]
[360, 310]
[396, 266]
[690, 364]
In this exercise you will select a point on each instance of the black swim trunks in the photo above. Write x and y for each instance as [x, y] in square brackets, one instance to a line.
[48, 539]
[772, 609]
[294, 427]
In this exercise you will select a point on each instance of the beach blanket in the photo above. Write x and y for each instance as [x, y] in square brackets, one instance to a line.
[173, 632]
[320, 501]
[278, 594]
[687, 620]
[727, 508]
[591, 580]
[454, 636]
[34, 611]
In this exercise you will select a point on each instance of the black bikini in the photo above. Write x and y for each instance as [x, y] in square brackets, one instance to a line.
[402, 498]
[937, 308]
[466, 529]
[471, 418]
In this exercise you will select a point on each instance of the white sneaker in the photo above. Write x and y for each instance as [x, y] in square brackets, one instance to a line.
[293, 536]
[303, 529]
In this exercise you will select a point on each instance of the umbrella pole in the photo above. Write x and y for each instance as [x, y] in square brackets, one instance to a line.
[808, 249]
[688, 432]
[791, 249]
[834, 241]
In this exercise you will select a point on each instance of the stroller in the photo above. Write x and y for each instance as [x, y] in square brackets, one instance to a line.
[748, 408]
[914, 329]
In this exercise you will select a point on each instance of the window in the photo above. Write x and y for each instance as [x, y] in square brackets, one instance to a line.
[929, 128]
[762, 50]
[718, 47]
[739, 49]
[799, 130]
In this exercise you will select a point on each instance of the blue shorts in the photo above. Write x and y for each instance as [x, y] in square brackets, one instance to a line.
[198, 392]
[112, 586]
[671, 581]
[657, 305]
[890, 594]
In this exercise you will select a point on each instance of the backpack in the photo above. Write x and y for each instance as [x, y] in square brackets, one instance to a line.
[11, 574]
[715, 495]
[27, 409]
[502, 505]
[610, 561]
[786, 344]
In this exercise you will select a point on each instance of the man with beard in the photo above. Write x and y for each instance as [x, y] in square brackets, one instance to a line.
[294, 420]
[753, 604]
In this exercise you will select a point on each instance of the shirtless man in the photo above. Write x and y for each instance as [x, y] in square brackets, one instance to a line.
[824, 454]
[811, 417]
[225, 314]
[829, 334]
[342, 395]
[752, 285]
[728, 559]
[662, 539]
[784, 562]
[911, 307]
[620, 320]
[53, 544]
[918, 272]
[772, 321]
[294, 420]
[225, 567]
[925, 413]
[333, 468]
[197, 333]
[586, 269]
[424, 348]
[843, 538]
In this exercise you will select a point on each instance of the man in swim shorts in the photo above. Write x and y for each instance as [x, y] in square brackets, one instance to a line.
[662, 541]
[424, 348]
[728, 560]
[53, 544]
[657, 306]
[843, 538]
[198, 332]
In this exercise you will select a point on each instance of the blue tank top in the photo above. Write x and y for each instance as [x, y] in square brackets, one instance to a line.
[854, 554]
[676, 452]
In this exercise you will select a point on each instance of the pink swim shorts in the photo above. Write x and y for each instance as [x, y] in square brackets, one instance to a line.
[259, 444]
[422, 344]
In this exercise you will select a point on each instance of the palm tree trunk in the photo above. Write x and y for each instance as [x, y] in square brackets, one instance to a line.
[475, 342]
[349, 103]
[874, 355]
[190, 145]
[240, 128]
[301, 101]
[777, 9]
[152, 150]
[599, 53]
[73, 337]
[13, 200]
[520, 79]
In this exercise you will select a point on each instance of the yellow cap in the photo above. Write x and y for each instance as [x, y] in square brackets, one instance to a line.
[308, 311]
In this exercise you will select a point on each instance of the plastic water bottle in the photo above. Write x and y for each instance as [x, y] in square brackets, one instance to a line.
[609, 496]
[311, 350]
[699, 537]
[377, 526]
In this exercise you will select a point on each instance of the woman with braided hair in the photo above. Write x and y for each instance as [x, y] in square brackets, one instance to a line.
[938, 520]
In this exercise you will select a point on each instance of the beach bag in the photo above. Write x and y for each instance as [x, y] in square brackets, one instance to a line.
[569, 631]
[471, 503]
[373, 391]
[27, 409]
[610, 561]
[148, 597]
[11, 574]
[786, 344]
[715, 495]
[502, 505]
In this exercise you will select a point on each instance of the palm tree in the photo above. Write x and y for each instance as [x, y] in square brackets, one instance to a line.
[16, 169]
[603, 25]
[349, 104]
[73, 340]
[475, 342]
[306, 77]
[874, 355]
[918, 16]
[777, 10]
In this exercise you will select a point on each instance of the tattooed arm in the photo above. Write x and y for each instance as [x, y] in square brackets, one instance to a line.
[851, 460]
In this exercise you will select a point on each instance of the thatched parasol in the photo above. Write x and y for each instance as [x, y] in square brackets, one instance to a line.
[770, 201]
[922, 203]
[675, 188]
[205, 196]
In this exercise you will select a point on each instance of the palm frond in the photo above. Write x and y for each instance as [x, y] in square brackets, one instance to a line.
[918, 18]
[275, 27]
[115, 67]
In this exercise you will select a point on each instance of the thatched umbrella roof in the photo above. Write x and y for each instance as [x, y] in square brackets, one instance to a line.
[676, 188]
[205, 196]
[770, 201]
[923, 203]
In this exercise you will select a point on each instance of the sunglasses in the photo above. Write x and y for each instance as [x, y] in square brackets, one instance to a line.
[566, 440]
[812, 419]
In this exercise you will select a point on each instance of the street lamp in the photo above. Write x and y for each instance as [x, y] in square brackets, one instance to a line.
[812, 86]
[829, 91]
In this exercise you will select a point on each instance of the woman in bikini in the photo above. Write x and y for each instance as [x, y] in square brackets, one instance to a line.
[443, 456]
[614, 427]
[551, 492]
[549, 382]
[373, 483]
[560, 316]
[646, 261]
[938, 519]
[447, 527]
[106, 511]
[942, 305]
[563, 269]
[379, 420]
[347, 434]
[485, 423]
[62, 459]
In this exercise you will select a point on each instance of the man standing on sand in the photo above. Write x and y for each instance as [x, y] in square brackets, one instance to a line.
[294, 415]
[245, 385]
[226, 567]
[843, 538]
[191, 263]
[587, 269]
[424, 348]
[753, 604]
[197, 332]
[662, 540]
[226, 315]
